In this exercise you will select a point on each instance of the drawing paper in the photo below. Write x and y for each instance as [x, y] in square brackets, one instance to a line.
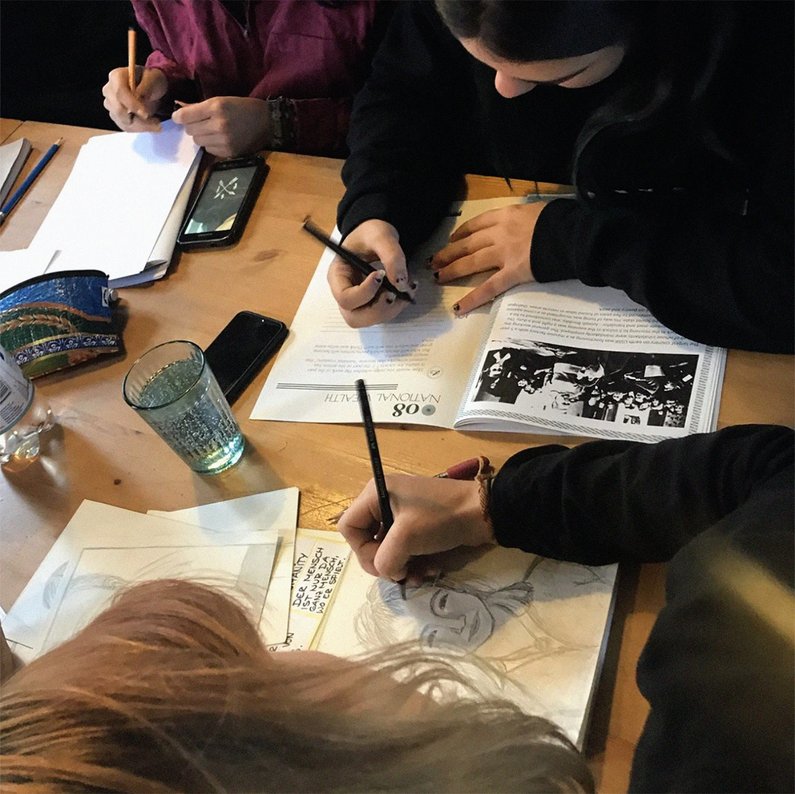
[521, 627]
[275, 510]
[111, 213]
[103, 549]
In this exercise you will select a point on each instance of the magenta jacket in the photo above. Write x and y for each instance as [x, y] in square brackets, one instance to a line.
[309, 57]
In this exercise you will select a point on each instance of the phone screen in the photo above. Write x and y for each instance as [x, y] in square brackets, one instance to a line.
[220, 200]
[240, 351]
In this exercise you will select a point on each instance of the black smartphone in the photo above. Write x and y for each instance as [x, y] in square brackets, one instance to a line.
[219, 214]
[241, 350]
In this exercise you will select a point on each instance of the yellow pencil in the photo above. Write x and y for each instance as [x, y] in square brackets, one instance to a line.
[131, 58]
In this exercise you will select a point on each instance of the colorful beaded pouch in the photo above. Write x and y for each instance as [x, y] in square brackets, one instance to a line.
[57, 320]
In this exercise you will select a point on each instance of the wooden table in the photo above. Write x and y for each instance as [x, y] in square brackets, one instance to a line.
[102, 451]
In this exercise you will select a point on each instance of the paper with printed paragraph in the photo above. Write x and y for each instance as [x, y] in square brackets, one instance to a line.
[544, 358]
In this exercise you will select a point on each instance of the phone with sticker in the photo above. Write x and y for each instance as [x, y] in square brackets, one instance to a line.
[222, 208]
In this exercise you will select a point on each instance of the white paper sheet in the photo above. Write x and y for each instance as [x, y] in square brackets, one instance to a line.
[320, 558]
[103, 549]
[22, 264]
[521, 627]
[113, 208]
[275, 510]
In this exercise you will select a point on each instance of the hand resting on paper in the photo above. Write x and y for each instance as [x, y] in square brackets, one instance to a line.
[361, 304]
[497, 240]
[227, 126]
[135, 112]
[431, 516]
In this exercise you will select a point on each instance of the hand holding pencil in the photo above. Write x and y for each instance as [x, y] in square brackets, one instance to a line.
[431, 515]
[361, 299]
[133, 94]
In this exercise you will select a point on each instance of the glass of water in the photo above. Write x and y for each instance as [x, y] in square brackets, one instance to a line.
[173, 389]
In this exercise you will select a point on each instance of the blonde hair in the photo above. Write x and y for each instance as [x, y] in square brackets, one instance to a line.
[172, 689]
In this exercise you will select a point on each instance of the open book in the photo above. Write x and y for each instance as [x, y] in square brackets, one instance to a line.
[519, 627]
[543, 358]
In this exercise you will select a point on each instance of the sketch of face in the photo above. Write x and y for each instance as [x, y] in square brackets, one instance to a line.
[453, 618]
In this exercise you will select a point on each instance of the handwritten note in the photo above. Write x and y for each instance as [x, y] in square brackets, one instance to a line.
[320, 558]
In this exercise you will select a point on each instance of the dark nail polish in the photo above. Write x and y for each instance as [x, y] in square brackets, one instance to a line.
[456, 308]
[436, 276]
[413, 285]
[390, 299]
[379, 278]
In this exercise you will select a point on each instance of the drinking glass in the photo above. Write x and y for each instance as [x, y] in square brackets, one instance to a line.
[172, 387]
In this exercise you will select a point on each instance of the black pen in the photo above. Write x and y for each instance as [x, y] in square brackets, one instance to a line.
[355, 261]
[378, 469]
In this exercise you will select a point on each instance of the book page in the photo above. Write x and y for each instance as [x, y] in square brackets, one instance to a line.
[520, 627]
[574, 359]
[415, 367]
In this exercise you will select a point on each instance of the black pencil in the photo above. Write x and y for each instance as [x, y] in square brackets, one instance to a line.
[355, 261]
[378, 469]
[375, 458]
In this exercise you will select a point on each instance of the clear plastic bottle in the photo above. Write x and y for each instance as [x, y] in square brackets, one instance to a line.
[24, 416]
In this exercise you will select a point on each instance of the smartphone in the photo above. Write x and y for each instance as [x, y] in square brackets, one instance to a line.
[241, 350]
[219, 214]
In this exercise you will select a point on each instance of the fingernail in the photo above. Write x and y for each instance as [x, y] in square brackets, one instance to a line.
[390, 299]
[379, 278]
[456, 308]
[413, 285]
[400, 279]
[436, 276]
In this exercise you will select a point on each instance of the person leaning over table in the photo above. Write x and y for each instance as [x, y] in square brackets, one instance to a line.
[673, 120]
[256, 74]
[718, 668]
[172, 690]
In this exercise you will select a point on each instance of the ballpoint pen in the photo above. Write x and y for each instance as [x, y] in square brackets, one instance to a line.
[29, 180]
[355, 261]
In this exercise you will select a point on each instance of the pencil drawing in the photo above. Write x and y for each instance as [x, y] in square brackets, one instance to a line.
[101, 572]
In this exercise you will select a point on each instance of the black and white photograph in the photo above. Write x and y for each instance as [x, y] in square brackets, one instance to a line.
[645, 389]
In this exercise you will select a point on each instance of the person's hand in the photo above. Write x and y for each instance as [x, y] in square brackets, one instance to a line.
[431, 516]
[135, 112]
[495, 240]
[226, 126]
[360, 302]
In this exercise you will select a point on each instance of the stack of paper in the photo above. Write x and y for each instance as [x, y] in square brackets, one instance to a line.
[121, 208]
[244, 546]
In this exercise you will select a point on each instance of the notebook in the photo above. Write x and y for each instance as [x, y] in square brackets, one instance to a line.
[12, 158]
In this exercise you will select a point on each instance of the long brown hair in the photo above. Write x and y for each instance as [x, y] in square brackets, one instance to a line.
[171, 689]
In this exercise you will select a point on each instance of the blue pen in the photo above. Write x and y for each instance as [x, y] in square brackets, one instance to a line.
[29, 180]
